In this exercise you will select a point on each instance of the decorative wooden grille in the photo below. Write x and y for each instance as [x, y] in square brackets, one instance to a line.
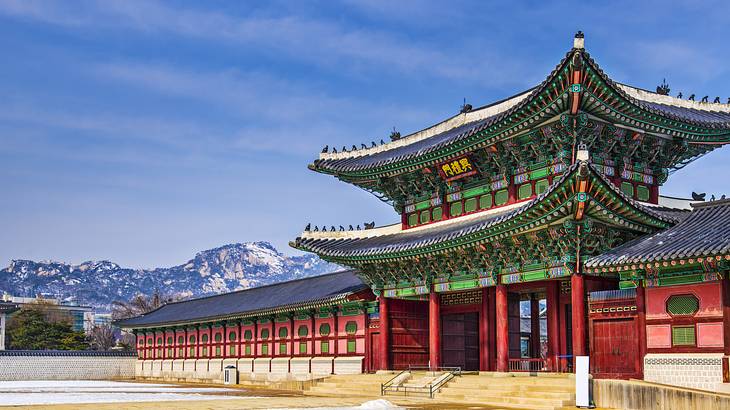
[683, 305]
[462, 298]
[683, 336]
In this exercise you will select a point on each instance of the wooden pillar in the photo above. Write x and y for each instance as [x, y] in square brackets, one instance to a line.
[577, 300]
[535, 326]
[335, 333]
[492, 328]
[726, 326]
[484, 331]
[225, 341]
[255, 340]
[641, 324]
[434, 329]
[384, 334]
[502, 329]
[313, 334]
[553, 324]
[291, 340]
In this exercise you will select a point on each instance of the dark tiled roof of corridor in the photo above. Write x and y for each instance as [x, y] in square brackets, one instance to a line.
[331, 287]
[705, 232]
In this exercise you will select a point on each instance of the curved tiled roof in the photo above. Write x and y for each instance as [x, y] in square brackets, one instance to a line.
[334, 245]
[710, 115]
[263, 300]
[705, 232]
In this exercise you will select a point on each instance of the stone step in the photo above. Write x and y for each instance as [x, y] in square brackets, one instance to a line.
[529, 402]
[502, 405]
[477, 381]
[491, 393]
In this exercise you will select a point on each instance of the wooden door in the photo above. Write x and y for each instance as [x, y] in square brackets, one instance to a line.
[374, 352]
[513, 325]
[615, 348]
[460, 340]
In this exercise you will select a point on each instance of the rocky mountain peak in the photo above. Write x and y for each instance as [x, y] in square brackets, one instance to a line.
[222, 269]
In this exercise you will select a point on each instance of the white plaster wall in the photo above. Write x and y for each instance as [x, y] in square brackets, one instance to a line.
[693, 370]
[67, 367]
[300, 365]
[348, 365]
[322, 366]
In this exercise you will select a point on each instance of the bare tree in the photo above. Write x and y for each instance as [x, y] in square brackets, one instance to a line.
[101, 337]
[139, 305]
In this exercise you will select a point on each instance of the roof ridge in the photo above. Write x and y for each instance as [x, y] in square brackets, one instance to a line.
[710, 204]
[268, 285]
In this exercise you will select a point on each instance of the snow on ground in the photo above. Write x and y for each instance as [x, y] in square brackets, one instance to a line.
[86, 391]
[368, 405]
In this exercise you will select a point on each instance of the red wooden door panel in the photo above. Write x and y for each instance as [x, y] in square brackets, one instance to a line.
[460, 340]
[615, 348]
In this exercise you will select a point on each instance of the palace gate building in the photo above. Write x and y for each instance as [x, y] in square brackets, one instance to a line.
[544, 206]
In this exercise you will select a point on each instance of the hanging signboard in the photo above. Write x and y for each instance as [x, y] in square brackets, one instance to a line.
[457, 168]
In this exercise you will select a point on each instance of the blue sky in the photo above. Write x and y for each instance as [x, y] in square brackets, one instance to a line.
[143, 132]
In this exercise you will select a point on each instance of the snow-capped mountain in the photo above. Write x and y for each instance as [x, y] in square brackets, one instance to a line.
[224, 269]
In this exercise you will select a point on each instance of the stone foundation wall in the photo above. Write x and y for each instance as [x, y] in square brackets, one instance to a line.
[637, 395]
[254, 370]
[66, 365]
[694, 370]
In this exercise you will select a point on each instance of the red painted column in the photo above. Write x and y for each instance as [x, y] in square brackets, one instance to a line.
[384, 334]
[553, 324]
[335, 333]
[484, 331]
[641, 324]
[726, 326]
[434, 329]
[502, 329]
[492, 328]
[225, 341]
[577, 296]
[535, 325]
[313, 334]
[255, 338]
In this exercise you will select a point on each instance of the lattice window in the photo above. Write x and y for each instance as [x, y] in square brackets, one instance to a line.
[627, 189]
[501, 197]
[485, 201]
[683, 305]
[462, 298]
[303, 331]
[351, 346]
[456, 209]
[642, 193]
[302, 348]
[412, 219]
[283, 332]
[683, 336]
[265, 334]
[525, 191]
[232, 336]
[425, 216]
[248, 335]
[470, 205]
[351, 328]
[324, 329]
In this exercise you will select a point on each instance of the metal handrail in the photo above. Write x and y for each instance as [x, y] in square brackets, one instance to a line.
[429, 388]
[389, 383]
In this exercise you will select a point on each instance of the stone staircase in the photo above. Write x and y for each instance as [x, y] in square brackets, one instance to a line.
[545, 391]
[351, 385]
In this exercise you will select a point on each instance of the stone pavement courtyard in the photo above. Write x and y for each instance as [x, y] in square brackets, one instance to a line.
[115, 395]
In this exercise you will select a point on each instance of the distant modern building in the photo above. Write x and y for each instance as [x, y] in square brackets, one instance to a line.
[5, 308]
[82, 317]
